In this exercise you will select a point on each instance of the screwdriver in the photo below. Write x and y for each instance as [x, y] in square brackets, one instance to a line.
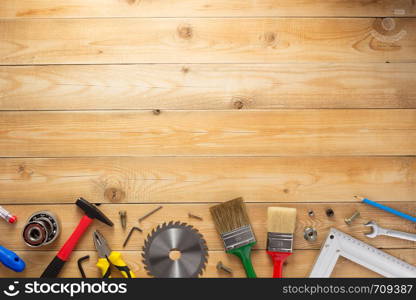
[10, 259]
[7, 215]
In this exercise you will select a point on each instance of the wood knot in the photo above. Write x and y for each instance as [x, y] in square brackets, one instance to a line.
[185, 70]
[286, 191]
[185, 31]
[269, 38]
[156, 112]
[238, 104]
[114, 195]
[24, 173]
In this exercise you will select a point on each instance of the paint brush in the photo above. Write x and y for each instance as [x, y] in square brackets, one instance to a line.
[280, 226]
[233, 225]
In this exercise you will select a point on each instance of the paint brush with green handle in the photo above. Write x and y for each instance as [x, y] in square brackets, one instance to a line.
[233, 224]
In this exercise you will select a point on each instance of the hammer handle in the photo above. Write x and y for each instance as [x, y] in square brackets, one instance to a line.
[55, 266]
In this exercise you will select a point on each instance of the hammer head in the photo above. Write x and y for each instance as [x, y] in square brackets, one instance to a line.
[92, 211]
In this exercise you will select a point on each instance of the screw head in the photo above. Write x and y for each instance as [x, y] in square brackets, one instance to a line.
[330, 212]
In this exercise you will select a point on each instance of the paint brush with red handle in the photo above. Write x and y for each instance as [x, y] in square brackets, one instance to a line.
[280, 226]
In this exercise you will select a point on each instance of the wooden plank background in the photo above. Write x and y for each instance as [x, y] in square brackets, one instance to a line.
[187, 103]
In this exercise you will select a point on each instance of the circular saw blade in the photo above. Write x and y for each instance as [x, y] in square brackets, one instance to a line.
[175, 237]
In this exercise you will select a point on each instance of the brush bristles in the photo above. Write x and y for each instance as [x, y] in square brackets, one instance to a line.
[281, 219]
[230, 215]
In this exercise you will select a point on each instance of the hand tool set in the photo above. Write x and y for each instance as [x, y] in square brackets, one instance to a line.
[179, 250]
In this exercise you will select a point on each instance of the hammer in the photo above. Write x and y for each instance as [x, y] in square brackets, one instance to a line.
[91, 212]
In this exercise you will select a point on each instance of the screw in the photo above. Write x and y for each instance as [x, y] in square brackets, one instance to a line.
[310, 234]
[221, 267]
[329, 212]
[349, 220]
[195, 217]
[123, 218]
[150, 213]
[311, 213]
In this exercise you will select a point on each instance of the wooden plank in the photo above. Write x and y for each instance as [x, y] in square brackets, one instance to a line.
[173, 179]
[70, 215]
[208, 133]
[202, 8]
[209, 40]
[298, 265]
[207, 86]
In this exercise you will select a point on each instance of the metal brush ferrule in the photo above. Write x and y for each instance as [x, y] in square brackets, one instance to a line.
[238, 237]
[279, 242]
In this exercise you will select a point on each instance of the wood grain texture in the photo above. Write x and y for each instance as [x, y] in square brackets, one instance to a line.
[202, 133]
[209, 40]
[298, 265]
[70, 215]
[203, 8]
[207, 179]
[207, 86]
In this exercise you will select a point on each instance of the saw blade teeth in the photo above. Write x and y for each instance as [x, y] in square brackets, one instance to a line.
[192, 233]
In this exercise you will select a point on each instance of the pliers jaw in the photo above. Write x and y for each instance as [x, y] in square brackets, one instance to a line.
[101, 245]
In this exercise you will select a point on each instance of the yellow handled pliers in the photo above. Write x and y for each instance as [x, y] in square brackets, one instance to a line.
[106, 258]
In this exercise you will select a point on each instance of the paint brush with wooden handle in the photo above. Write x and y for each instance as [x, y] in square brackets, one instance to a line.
[280, 226]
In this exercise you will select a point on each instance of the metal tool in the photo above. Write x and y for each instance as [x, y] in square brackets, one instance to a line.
[310, 234]
[222, 267]
[195, 217]
[10, 260]
[377, 230]
[91, 213]
[150, 213]
[79, 263]
[129, 235]
[107, 257]
[340, 244]
[123, 218]
[42, 228]
[178, 238]
[6, 215]
[349, 220]
[311, 213]
[329, 212]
